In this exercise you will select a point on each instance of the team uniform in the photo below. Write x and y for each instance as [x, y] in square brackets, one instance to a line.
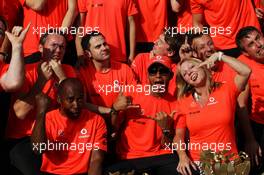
[51, 16]
[184, 17]
[110, 17]
[151, 20]
[88, 132]
[103, 88]
[210, 126]
[233, 14]
[9, 10]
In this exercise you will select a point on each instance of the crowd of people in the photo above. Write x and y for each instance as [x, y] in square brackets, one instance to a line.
[129, 86]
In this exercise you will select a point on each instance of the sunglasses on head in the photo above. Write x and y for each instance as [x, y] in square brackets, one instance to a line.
[162, 70]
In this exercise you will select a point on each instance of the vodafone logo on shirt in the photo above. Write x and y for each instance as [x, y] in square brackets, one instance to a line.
[212, 101]
[84, 133]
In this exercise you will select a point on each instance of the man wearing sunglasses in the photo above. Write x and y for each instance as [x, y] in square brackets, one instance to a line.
[165, 45]
[144, 132]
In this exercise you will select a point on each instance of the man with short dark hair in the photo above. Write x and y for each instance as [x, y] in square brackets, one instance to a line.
[251, 43]
[69, 125]
[165, 45]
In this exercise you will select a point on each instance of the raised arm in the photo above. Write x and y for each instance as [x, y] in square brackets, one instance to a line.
[242, 70]
[26, 102]
[13, 79]
[38, 136]
[132, 38]
[70, 14]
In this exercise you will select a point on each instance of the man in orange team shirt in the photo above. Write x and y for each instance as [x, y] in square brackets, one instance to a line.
[165, 45]
[56, 132]
[150, 22]
[251, 43]
[45, 14]
[142, 133]
[110, 17]
[225, 18]
[41, 76]
[102, 77]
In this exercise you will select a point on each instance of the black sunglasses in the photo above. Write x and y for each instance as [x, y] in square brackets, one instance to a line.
[162, 70]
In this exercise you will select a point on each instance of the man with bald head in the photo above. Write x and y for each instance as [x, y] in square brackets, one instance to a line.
[69, 125]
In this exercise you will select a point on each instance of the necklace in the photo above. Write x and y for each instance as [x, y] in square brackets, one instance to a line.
[196, 96]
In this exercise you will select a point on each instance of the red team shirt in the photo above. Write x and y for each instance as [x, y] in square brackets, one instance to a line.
[24, 127]
[185, 17]
[86, 133]
[111, 16]
[151, 20]
[211, 126]
[9, 10]
[233, 14]
[100, 86]
[256, 88]
[141, 136]
[51, 16]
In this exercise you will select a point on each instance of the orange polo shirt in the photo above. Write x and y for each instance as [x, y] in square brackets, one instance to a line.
[151, 20]
[110, 17]
[228, 16]
[103, 88]
[51, 16]
[141, 136]
[185, 17]
[256, 88]
[9, 10]
[211, 126]
[82, 135]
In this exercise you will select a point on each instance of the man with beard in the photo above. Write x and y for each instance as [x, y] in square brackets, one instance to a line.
[69, 125]
[251, 43]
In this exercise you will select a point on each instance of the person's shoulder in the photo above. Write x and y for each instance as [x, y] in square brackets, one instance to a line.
[90, 115]
[244, 58]
[53, 116]
[142, 56]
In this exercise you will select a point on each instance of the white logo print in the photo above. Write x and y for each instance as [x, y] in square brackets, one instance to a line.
[212, 101]
[84, 133]
[60, 132]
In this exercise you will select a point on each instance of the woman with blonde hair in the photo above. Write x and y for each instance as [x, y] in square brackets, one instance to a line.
[206, 108]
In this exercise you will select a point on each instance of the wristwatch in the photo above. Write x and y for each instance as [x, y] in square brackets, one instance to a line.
[166, 132]
[113, 111]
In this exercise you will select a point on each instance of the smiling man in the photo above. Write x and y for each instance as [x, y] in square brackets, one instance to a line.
[144, 131]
